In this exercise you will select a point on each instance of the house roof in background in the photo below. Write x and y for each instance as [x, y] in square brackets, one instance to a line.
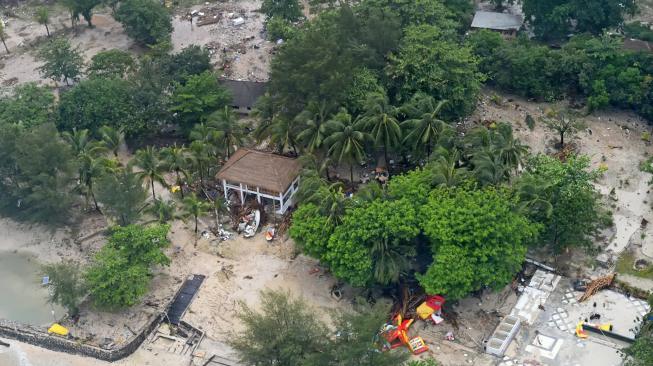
[244, 93]
[260, 169]
[496, 21]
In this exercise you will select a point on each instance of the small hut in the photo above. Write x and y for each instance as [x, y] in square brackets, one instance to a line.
[271, 178]
[506, 24]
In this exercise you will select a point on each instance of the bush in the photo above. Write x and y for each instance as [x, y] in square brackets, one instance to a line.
[146, 21]
[279, 28]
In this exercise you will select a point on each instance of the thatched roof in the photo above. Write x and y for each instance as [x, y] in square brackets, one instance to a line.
[260, 169]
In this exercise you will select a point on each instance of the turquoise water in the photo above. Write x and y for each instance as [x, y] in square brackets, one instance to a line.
[22, 298]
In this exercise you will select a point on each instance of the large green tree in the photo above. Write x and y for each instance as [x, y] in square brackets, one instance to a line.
[374, 244]
[476, 238]
[146, 21]
[555, 19]
[200, 96]
[428, 62]
[67, 286]
[45, 167]
[97, 102]
[122, 196]
[30, 105]
[111, 63]
[576, 211]
[290, 10]
[60, 61]
[121, 271]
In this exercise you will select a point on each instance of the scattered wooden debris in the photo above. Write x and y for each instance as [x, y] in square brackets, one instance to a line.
[596, 286]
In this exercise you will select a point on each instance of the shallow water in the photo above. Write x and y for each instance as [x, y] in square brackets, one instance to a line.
[22, 298]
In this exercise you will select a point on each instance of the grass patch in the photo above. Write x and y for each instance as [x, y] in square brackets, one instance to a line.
[625, 266]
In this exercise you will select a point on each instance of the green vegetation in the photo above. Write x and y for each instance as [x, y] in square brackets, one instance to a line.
[287, 332]
[110, 64]
[594, 67]
[480, 226]
[60, 61]
[120, 273]
[553, 20]
[146, 21]
[67, 286]
[626, 265]
[639, 30]
[290, 10]
[640, 353]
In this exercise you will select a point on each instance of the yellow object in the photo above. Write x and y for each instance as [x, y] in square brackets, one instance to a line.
[580, 332]
[607, 327]
[417, 345]
[424, 311]
[58, 329]
[174, 189]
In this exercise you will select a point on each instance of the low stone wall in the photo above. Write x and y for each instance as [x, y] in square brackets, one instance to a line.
[38, 337]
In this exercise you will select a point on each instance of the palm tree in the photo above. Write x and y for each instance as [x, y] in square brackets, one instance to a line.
[312, 120]
[90, 169]
[164, 211]
[532, 196]
[152, 168]
[112, 139]
[209, 135]
[231, 132]
[346, 140]
[283, 134]
[219, 206]
[175, 160]
[311, 163]
[511, 150]
[81, 143]
[90, 166]
[389, 260]
[444, 170]
[380, 121]
[425, 129]
[194, 207]
[332, 202]
[266, 112]
[200, 158]
[489, 168]
[370, 192]
[43, 18]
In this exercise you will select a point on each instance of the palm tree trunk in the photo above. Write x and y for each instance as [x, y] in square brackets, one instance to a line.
[152, 184]
[97, 207]
[181, 188]
[351, 172]
[5, 44]
[47, 30]
[385, 156]
[562, 140]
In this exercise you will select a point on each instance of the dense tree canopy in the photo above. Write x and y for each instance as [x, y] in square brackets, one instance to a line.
[120, 273]
[96, 102]
[576, 211]
[147, 21]
[374, 244]
[555, 19]
[476, 238]
[30, 105]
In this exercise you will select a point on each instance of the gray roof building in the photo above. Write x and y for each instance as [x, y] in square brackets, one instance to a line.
[244, 93]
[497, 21]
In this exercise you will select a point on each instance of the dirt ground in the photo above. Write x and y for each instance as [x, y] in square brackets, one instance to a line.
[240, 51]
